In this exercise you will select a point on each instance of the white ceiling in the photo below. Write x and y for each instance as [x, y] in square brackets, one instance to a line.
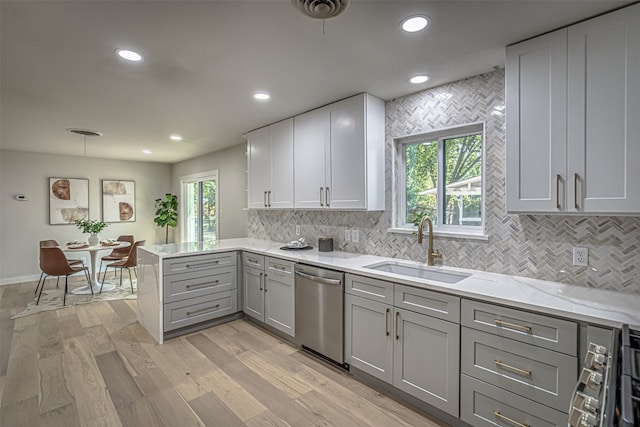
[204, 59]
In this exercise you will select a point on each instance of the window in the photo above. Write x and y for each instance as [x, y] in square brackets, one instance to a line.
[199, 206]
[440, 175]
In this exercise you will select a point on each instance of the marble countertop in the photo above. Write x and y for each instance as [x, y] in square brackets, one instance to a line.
[608, 308]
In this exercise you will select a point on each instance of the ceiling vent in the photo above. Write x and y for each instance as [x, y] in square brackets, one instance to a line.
[321, 9]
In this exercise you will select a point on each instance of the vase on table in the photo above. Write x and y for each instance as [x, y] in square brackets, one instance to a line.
[93, 240]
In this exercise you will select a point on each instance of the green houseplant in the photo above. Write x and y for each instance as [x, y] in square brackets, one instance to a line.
[167, 213]
[93, 227]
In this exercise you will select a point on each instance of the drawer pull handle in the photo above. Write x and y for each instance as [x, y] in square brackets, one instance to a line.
[386, 322]
[499, 322]
[201, 264]
[254, 261]
[278, 267]
[512, 368]
[509, 420]
[197, 285]
[397, 318]
[202, 310]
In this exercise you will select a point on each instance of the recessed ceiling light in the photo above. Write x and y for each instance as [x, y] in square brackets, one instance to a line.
[175, 137]
[421, 78]
[261, 96]
[129, 55]
[146, 151]
[415, 23]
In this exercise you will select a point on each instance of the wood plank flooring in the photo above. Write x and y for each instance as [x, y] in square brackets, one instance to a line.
[94, 365]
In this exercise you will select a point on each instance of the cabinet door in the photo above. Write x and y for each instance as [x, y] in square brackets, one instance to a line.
[604, 107]
[536, 103]
[258, 163]
[368, 339]
[281, 144]
[347, 168]
[426, 359]
[254, 292]
[279, 300]
[311, 144]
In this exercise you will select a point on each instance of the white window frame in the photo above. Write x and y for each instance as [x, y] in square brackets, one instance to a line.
[190, 179]
[399, 207]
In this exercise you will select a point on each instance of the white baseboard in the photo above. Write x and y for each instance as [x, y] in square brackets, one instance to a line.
[21, 279]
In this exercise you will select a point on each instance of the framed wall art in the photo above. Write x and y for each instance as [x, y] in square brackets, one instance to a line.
[118, 200]
[68, 200]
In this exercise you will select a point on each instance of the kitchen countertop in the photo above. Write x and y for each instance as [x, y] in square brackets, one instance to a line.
[608, 308]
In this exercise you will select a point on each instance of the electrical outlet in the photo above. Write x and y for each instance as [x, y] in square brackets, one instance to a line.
[347, 235]
[581, 256]
[297, 230]
[355, 236]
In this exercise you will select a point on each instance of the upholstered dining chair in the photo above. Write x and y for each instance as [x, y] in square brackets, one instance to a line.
[129, 262]
[53, 262]
[117, 254]
[52, 243]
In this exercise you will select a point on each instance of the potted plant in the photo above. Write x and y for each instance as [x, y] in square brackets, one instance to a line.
[167, 213]
[93, 227]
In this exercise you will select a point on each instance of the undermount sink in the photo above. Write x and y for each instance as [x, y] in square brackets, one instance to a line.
[418, 271]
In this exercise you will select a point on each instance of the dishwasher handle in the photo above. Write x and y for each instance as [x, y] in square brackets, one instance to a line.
[319, 279]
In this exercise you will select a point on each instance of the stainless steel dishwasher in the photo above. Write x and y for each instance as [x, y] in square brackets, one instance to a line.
[320, 311]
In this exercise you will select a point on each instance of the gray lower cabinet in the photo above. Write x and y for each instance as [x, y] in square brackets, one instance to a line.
[426, 359]
[198, 288]
[416, 353]
[269, 293]
[485, 405]
[368, 339]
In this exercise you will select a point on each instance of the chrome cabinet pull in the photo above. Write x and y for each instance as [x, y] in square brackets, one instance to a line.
[558, 192]
[326, 196]
[575, 191]
[509, 420]
[321, 195]
[201, 264]
[386, 322]
[499, 322]
[269, 198]
[512, 368]
[202, 310]
[261, 274]
[397, 318]
[197, 285]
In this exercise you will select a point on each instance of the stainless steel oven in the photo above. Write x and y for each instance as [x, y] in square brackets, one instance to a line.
[608, 390]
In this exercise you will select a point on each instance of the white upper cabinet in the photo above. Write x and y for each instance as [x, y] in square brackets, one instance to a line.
[270, 166]
[603, 130]
[339, 155]
[573, 133]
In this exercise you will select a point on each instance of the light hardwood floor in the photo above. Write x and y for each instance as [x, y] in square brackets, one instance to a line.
[94, 365]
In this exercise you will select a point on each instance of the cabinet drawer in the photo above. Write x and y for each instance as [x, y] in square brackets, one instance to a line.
[279, 267]
[193, 284]
[198, 262]
[539, 374]
[373, 289]
[484, 405]
[435, 304]
[195, 310]
[253, 260]
[548, 332]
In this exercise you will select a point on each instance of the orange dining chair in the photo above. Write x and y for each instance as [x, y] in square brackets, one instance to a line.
[117, 254]
[52, 243]
[129, 262]
[53, 262]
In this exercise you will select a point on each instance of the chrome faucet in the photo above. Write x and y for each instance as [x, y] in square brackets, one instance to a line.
[432, 254]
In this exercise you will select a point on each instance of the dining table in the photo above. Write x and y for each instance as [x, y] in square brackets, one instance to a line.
[93, 252]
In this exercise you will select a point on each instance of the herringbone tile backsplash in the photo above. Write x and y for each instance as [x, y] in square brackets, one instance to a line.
[535, 246]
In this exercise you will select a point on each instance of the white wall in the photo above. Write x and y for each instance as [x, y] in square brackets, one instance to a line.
[24, 224]
[231, 164]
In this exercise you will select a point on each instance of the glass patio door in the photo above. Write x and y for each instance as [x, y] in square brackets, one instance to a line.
[199, 207]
